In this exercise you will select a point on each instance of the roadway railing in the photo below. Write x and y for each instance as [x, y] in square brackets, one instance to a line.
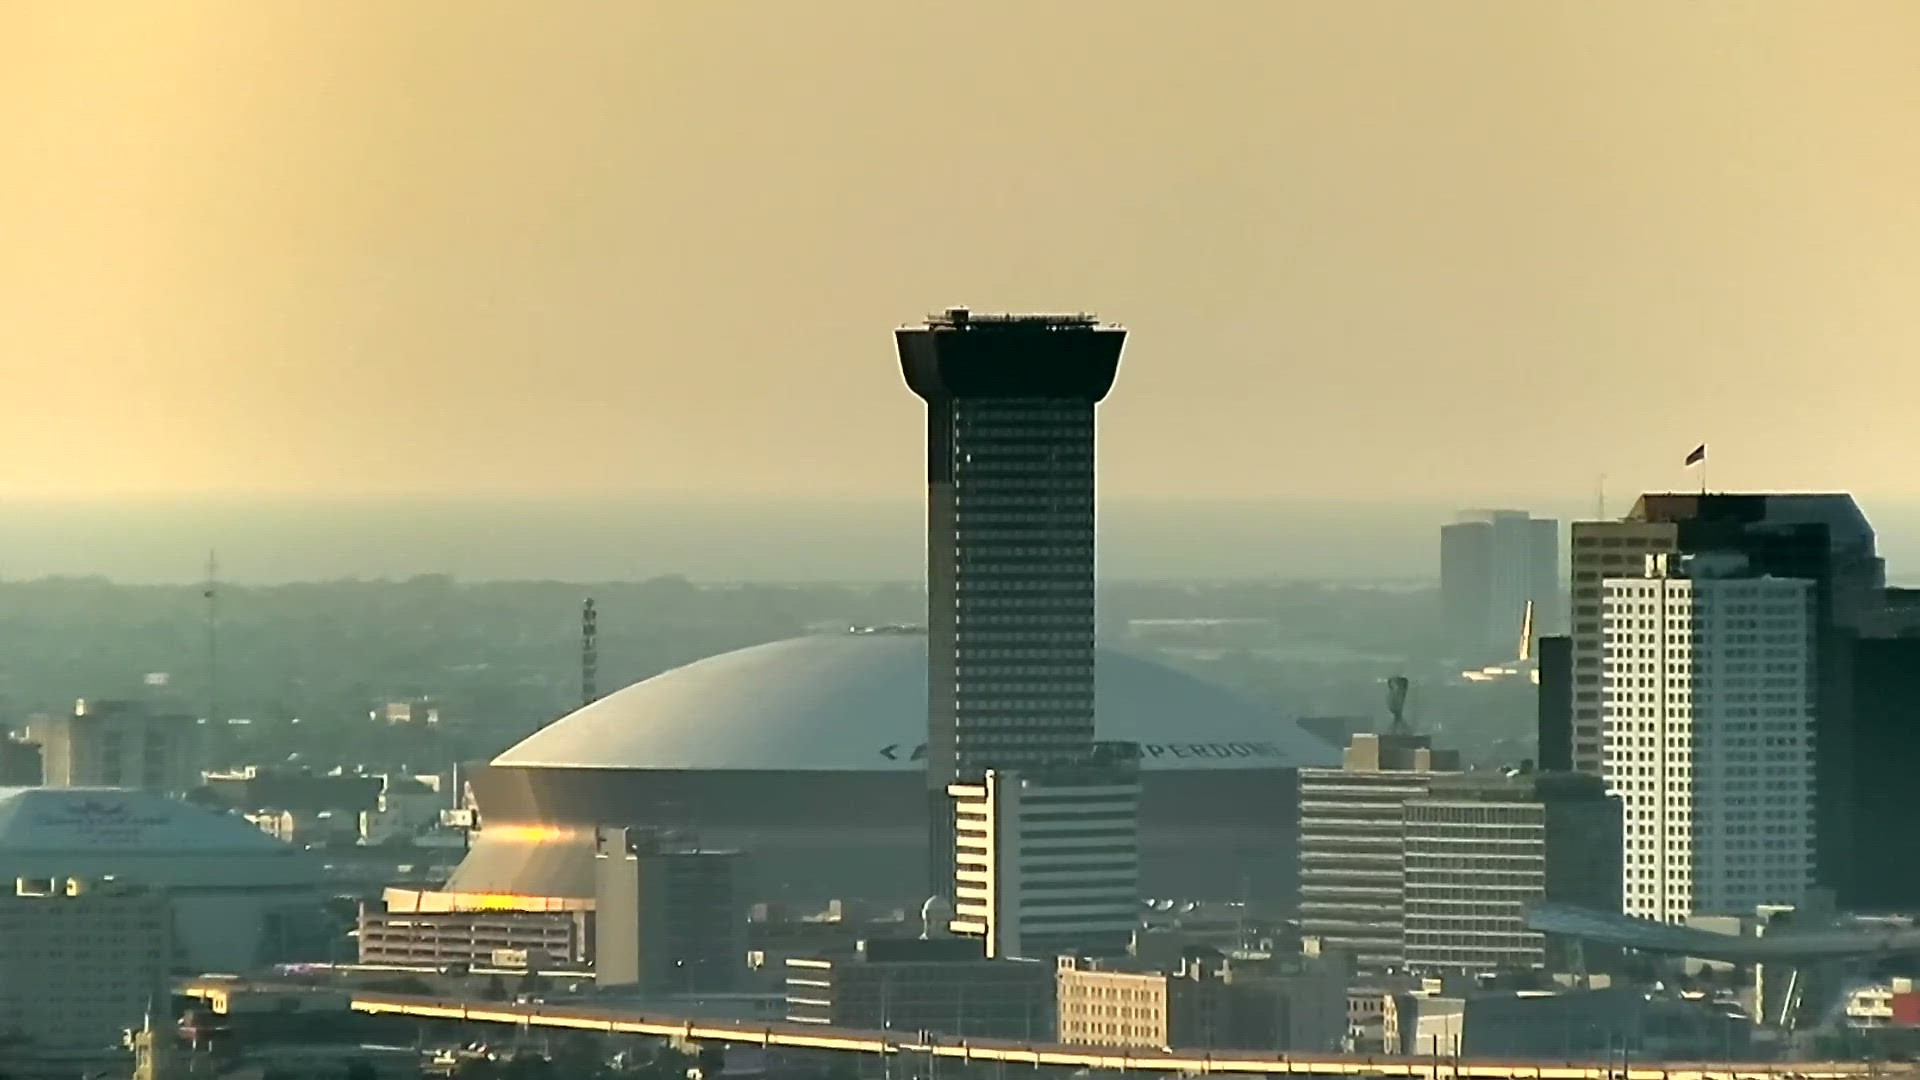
[614, 1021]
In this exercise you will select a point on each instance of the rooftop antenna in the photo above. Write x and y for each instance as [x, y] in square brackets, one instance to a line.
[1397, 703]
[1600, 499]
[211, 594]
[589, 654]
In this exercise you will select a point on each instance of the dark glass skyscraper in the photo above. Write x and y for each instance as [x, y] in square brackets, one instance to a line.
[1010, 534]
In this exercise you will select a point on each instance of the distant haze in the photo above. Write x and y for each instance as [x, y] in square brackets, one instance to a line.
[872, 540]
[1368, 250]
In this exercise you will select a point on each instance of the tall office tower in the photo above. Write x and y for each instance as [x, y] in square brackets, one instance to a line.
[1554, 705]
[1708, 691]
[1886, 705]
[118, 744]
[1533, 836]
[1010, 493]
[1493, 563]
[1047, 860]
[1352, 855]
[1822, 538]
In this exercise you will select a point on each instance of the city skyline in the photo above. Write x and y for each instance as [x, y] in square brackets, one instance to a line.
[1367, 248]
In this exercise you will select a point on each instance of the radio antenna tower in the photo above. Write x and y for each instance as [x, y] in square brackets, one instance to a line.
[211, 594]
[589, 654]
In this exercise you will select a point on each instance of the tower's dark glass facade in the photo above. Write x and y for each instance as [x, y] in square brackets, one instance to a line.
[1010, 537]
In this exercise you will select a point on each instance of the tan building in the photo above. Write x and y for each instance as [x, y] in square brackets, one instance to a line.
[1601, 550]
[1203, 1004]
[119, 744]
[1117, 1005]
[439, 928]
[81, 962]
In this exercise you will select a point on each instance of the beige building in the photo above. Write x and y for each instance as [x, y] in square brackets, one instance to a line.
[1118, 1005]
[1203, 1004]
[1602, 550]
[118, 744]
[81, 962]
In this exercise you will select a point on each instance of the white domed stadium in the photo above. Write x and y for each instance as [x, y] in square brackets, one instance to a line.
[232, 886]
[807, 755]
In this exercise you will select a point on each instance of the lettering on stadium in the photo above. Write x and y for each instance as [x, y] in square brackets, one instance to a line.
[1214, 751]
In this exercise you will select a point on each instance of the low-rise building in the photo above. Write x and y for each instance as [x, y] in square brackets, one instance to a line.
[303, 828]
[530, 939]
[1204, 1003]
[1568, 1026]
[944, 985]
[81, 961]
[1894, 1002]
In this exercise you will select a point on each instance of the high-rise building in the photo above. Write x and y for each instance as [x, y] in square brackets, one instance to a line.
[1554, 705]
[119, 744]
[1493, 563]
[1709, 686]
[1352, 854]
[82, 961]
[667, 918]
[1886, 709]
[1047, 860]
[1820, 538]
[1481, 848]
[1010, 538]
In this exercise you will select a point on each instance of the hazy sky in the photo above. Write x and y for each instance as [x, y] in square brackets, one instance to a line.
[475, 247]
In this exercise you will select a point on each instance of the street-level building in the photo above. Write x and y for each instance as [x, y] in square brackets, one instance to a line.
[943, 985]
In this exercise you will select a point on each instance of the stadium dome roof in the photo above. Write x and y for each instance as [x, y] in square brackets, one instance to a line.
[140, 837]
[857, 701]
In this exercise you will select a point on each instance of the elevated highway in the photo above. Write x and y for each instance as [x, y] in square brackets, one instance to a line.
[616, 1021]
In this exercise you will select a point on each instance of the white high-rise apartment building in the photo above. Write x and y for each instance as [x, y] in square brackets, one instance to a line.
[1707, 696]
[1046, 863]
